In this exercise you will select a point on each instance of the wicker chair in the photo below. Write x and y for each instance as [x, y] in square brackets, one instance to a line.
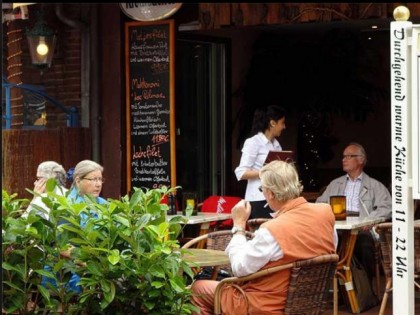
[310, 281]
[254, 224]
[217, 240]
[385, 232]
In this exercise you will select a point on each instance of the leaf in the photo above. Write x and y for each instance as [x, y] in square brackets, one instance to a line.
[50, 184]
[45, 293]
[7, 266]
[136, 197]
[157, 284]
[177, 284]
[114, 258]
[12, 285]
[122, 220]
[45, 273]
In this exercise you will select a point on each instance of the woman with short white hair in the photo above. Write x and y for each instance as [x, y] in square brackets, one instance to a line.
[45, 171]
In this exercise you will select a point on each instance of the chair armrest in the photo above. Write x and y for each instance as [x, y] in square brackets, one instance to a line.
[258, 274]
[195, 241]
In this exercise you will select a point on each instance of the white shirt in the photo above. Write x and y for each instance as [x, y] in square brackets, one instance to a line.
[247, 257]
[254, 153]
[38, 202]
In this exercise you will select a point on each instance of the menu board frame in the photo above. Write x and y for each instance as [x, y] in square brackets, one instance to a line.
[136, 34]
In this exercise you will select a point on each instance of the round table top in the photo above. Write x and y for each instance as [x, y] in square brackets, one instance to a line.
[206, 257]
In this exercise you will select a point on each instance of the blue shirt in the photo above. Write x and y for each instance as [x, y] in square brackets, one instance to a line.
[76, 198]
[74, 280]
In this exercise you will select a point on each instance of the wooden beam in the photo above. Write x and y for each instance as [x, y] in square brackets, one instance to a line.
[215, 15]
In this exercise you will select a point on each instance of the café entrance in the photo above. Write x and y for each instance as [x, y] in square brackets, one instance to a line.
[202, 137]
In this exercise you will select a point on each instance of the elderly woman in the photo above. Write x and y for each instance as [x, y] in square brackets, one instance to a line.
[87, 181]
[45, 171]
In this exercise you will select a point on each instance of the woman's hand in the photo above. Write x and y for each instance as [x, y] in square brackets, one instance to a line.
[39, 185]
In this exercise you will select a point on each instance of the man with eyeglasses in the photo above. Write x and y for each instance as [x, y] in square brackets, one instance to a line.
[365, 197]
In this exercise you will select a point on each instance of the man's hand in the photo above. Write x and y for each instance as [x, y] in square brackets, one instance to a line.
[240, 213]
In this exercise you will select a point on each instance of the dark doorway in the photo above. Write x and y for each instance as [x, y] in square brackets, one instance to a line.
[202, 146]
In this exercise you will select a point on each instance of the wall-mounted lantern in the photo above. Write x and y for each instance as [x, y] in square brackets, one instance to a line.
[41, 40]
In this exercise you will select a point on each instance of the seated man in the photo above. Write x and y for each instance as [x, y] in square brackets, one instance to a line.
[365, 196]
[299, 230]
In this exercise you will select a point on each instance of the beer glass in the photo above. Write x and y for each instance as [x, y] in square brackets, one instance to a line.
[338, 205]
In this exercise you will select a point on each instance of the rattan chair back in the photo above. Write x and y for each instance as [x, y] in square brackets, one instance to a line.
[217, 240]
[310, 282]
[254, 224]
[385, 238]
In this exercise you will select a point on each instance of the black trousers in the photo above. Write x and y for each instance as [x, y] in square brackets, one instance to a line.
[364, 250]
[258, 210]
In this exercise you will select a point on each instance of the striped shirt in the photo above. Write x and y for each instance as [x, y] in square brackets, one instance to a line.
[352, 193]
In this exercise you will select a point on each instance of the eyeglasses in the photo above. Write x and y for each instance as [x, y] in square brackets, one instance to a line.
[349, 156]
[96, 180]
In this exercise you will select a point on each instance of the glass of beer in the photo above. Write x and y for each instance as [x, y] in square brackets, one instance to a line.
[338, 205]
[189, 201]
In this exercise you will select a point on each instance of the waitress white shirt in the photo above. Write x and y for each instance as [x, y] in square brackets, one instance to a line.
[254, 153]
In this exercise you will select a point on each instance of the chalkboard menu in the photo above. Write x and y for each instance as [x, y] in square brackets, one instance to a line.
[149, 62]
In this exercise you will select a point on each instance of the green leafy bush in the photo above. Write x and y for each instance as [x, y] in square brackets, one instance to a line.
[127, 256]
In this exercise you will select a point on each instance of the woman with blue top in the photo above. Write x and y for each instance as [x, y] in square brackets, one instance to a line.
[268, 124]
[87, 181]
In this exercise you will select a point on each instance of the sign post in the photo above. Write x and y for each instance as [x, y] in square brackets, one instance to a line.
[402, 167]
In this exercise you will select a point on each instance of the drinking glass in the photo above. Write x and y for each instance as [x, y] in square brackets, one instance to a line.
[338, 205]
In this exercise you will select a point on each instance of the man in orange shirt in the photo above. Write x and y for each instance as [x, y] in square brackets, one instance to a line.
[299, 230]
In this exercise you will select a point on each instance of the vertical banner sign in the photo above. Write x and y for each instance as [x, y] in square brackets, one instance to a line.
[150, 110]
[415, 125]
[402, 202]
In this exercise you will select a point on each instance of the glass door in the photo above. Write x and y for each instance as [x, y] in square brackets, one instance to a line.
[201, 90]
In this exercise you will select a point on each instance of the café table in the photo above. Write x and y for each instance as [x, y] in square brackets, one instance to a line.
[199, 258]
[204, 219]
[349, 230]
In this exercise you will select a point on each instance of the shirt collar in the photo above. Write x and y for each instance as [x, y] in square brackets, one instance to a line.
[265, 140]
[290, 204]
[359, 178]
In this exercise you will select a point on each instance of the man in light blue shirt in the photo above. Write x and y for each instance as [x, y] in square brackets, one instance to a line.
[365, 197]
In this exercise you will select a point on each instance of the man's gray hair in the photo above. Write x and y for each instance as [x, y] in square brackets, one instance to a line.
[362, 151]
[51, 169]
[282, 179]
[85, 167]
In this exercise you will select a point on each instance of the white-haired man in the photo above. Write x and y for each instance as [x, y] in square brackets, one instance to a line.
[298, 230]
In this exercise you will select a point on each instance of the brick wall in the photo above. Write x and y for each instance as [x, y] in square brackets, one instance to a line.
[62, 80]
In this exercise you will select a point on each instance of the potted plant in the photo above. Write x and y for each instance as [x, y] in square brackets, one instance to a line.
[127, 256]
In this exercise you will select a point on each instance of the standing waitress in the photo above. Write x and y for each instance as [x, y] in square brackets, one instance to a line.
[267, 125]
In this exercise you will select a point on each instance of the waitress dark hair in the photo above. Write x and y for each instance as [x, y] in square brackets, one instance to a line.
[263, 116]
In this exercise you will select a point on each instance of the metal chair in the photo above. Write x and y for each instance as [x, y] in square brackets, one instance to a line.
[309, 285]
[385, 232]
[217, 240]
